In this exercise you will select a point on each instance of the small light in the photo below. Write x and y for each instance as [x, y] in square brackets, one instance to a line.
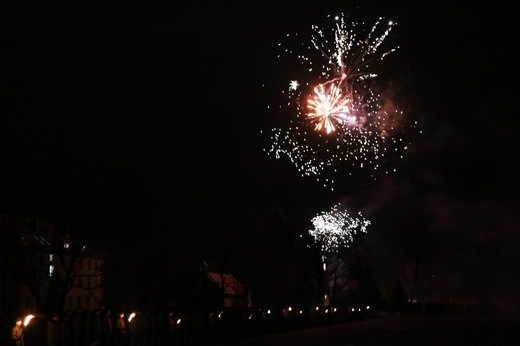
[179, 321]
[368, 307]
[269, 311]
[289, 308]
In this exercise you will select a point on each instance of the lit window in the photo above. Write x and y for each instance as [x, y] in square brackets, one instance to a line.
[51, 265]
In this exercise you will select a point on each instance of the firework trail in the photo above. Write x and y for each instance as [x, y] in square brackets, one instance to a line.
[335, 120]
[335, 229]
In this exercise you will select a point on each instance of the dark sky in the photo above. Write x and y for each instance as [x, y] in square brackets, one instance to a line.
[138, 125]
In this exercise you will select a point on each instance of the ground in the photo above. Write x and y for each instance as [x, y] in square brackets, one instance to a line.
[403, 330]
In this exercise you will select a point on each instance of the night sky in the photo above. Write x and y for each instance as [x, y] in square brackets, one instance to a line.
[137, 126]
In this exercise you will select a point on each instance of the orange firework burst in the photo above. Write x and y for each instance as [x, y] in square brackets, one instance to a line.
[328, 107]
[340, 123]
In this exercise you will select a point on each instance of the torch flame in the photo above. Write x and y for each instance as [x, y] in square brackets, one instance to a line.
[132, 315]
[27, 319]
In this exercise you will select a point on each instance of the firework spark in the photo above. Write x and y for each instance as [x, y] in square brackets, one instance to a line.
[335, 229]
[294, 85]
[335, 119]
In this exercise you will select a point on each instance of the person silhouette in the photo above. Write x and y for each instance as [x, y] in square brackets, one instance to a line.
[17, 332]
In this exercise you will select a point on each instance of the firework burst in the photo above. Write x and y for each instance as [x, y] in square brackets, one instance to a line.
[335, 229]
[335, 120]
[328, 108]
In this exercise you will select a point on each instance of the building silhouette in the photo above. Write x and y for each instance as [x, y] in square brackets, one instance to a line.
[45, 269]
